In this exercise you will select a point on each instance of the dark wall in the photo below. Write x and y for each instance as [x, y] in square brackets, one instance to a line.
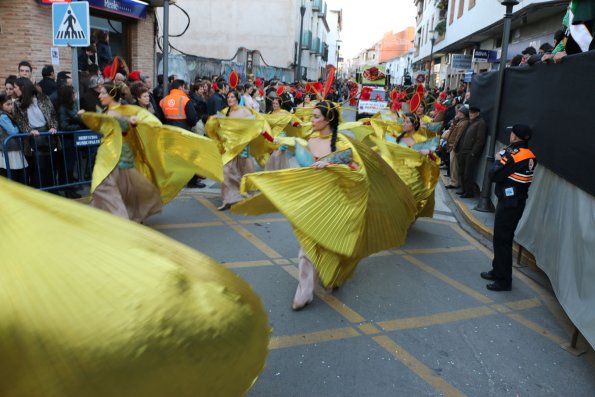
[558, 102]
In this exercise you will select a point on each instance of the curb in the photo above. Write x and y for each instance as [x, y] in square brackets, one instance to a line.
[523, 256]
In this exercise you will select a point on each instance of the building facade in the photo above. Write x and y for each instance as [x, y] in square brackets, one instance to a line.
[26, 34]
[261, 38]
[459, 27]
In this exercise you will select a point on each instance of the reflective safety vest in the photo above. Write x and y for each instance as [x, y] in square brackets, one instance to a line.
[174, 105]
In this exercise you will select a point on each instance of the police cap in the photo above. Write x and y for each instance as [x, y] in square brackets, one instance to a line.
[523, 131]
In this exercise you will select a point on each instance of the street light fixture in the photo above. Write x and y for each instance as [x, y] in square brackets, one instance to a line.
[432, 41]
[299, 60]
[485, 202]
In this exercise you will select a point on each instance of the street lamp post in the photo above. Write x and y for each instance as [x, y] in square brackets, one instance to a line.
[432, 41]
[485, 202]
[299, 59]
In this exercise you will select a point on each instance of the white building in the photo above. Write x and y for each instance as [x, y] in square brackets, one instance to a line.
[260, 37]
[466, 25]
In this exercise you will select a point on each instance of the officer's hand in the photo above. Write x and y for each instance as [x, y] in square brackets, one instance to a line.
[498, 157]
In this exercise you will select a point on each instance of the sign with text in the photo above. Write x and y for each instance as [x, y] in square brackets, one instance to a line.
[485, 56]
[70, 24]
[87, 139]
[129, 8]
[460, 61]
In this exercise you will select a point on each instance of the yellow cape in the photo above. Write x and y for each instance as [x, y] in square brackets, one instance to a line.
[167, 156]
[282, 120]
[338, 215]
[419, 172]
[92, 305]
[233, 134]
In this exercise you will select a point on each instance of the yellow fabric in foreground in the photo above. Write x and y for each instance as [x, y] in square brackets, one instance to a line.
[419, 172]
[167, 156]
[94, 306]
[282, 120]
[339, 216]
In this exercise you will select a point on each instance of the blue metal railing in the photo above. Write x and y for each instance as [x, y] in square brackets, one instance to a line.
[54, 161]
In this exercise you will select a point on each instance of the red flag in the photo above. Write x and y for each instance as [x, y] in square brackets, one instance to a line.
[330, 79]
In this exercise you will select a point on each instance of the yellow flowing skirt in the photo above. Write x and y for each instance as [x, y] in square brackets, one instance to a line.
[339, 215]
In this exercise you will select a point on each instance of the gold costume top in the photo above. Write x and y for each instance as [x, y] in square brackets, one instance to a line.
[167, 156]
[98, 306]
[339, 215]
[233, 134]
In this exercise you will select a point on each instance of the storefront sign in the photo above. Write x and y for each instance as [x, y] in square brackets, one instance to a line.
[53, 1]
[485, 56]
[130, 8]
[460, 61]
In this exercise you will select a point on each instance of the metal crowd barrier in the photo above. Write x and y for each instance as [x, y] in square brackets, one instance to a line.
[54, 161]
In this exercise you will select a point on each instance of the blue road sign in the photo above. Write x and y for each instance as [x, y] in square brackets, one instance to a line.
[70, 24]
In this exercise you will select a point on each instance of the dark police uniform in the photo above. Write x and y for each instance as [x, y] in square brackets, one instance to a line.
[513, 175]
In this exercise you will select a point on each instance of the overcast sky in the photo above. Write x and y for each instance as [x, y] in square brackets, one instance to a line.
[365, 21]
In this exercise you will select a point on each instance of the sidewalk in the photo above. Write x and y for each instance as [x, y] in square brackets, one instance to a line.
[482, 225]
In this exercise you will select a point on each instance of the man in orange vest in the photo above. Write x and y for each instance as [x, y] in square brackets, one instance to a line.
[177, 107]
[179, 111]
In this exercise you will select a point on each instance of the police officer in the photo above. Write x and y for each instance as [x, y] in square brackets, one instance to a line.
[513, 173]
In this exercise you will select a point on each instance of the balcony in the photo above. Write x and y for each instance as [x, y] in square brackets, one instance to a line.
[315, 47]
[322, 11]
[307, 40]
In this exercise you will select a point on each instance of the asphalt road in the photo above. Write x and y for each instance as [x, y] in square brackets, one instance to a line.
[414, 321]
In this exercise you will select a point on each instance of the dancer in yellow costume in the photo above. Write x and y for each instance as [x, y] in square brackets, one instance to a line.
[410, 154]
[240, 133]
[283, 124]
[142, 164]
[97, 306]
[344, 204]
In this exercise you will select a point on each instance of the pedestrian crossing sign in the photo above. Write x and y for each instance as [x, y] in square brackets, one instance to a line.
[70, 24]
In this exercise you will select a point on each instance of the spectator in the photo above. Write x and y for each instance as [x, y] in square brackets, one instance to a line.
[470, 147]
[249, 97]
[16, 160]
[90, 98]
[33, 113]
[25, 69]
[218, 101]
[9, 84]
[199, 100]
[141, 96]
[158, 91]
[87, 57]
[453, 135]
[48, 82]
[516, 60]
[104, 51]
[68, 120]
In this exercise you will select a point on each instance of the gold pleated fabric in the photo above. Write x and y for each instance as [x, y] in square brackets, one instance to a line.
[382, 127]
[304, 113]
[419, 172]
[167, 156]
[282, 120]
[360, 129]
[338, 215]
[93, 306]
[234, 134]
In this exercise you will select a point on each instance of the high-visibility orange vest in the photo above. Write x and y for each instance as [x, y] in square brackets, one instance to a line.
[174, 105]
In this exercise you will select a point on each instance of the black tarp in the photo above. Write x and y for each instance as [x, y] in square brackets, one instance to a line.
[558, 102]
